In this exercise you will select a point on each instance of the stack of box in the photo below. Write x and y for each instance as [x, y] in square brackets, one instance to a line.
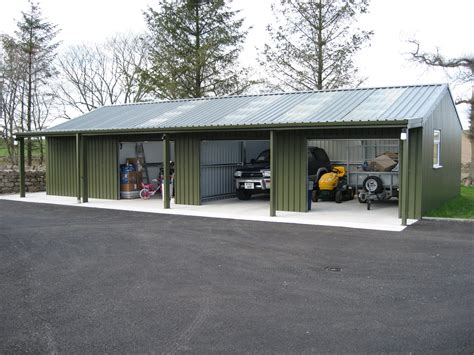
[131, 181]
[130, 178]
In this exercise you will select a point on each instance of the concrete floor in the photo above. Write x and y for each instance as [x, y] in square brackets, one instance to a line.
[350, 214]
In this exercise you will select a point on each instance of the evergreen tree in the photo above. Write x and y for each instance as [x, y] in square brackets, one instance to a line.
[194, 49]
[314, 44]
[35, 38]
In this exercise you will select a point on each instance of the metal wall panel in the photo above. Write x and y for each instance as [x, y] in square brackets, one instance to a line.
[61, 176]
[187, 169]
[440, 185]
[415, 170]
[102, 167]
[291, 171]
[354, 133]
[219, 159]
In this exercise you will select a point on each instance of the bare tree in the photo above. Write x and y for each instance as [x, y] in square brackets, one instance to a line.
[102, 74]
[45, 105]
[461, 71]
[12, 93]
[314, 44]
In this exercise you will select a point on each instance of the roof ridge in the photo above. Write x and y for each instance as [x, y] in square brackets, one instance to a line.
[271, 94]
[267, 110]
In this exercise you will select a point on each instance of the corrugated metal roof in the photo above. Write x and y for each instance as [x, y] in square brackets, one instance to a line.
[316, 107]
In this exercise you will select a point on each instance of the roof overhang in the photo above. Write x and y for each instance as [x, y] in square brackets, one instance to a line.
[411, 123]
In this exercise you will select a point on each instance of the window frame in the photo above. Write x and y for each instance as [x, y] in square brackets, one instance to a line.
[437, 143]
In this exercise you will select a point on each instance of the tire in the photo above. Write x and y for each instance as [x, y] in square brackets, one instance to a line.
[373, 184]
[243, 195]
[314, 196]
[145, 194]
[362, 197]
[338, 197]
[351, 194]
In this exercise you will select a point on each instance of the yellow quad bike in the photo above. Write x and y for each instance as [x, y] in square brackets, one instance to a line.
[333, 186]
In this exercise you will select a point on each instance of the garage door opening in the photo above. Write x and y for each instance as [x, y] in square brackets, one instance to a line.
[142, 163]
[234, 169]
[365, 175]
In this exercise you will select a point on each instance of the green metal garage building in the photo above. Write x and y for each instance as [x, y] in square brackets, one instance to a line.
[83, 152]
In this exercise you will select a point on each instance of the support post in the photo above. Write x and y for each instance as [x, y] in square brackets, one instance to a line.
[166, 172]
[21, 167]
[84, 180]
[78, 167]
[404, 185]
[273, 185]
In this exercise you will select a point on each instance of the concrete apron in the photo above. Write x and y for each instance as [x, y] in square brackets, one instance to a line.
[350, 214]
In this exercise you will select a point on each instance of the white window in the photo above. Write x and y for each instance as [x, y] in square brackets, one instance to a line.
[436, 149]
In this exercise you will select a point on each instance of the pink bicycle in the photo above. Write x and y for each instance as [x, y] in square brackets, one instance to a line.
[149, 190]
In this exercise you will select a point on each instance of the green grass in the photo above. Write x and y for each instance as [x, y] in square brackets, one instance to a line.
[4, 150]
[459, 207]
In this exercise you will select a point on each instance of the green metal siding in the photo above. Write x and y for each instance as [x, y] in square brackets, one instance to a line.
[102, 167]
[415, 186]
[187, 169]
[291, 171]
[61, 177]
[354, 133]
[440, 185]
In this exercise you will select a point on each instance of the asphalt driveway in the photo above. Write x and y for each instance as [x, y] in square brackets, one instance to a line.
[77, 280]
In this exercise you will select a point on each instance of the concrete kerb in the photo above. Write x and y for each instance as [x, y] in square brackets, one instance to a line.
[445, 219]
[350, 214]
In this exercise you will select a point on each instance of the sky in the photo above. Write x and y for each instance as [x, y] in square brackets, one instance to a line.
[436, 24]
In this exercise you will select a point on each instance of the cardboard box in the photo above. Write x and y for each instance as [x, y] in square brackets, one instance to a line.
[129, 187]
[134, 177]
[382, 163]
[391, 155]
[131, 161]
[131, 177]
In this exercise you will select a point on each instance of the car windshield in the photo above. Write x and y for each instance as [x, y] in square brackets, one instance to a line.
[263, 157]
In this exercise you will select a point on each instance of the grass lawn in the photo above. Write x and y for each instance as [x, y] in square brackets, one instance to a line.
[4, 150]
[459, 207]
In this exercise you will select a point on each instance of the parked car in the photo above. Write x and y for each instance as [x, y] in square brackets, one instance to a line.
[255, 177]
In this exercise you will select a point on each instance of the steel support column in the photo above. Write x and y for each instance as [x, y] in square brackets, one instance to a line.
[273, 185]
[404, 184]
[21, 164]
[78, 167]
[84, 180]
[166, 172]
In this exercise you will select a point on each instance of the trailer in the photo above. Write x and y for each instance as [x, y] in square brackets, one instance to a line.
[371, 185]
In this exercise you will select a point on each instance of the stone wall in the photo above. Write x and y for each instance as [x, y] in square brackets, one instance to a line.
[35, 181]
